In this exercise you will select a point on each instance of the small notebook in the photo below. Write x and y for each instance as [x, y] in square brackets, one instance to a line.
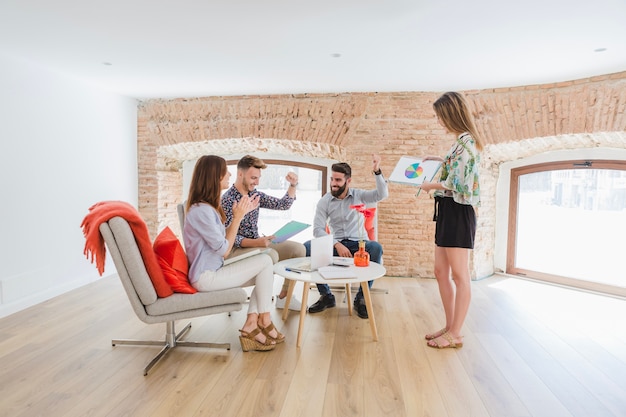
[337, 272]
[339, 261]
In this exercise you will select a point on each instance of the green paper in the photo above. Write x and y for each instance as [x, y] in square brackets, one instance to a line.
[290, 229]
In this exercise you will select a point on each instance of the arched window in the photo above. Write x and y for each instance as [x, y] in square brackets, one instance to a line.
[567, 222]
[312, 184]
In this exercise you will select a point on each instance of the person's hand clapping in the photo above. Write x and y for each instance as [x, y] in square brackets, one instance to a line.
[245, 205]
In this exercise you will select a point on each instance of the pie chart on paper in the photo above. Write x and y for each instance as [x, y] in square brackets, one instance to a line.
[413, 171]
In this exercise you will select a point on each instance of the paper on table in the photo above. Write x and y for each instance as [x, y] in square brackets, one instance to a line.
[339, 261]
[290, 229]
[335, 272]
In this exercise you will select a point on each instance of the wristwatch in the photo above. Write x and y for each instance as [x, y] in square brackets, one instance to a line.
[377, 172]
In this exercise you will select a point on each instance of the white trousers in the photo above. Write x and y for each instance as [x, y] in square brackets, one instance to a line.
[257, 270]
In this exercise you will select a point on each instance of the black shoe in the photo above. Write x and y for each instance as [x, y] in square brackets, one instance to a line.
[360, 308]
[325, 301]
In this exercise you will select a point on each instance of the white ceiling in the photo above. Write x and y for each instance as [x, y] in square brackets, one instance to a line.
[191, 48]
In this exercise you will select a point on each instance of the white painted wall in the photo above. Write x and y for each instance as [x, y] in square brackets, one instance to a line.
[65, 145]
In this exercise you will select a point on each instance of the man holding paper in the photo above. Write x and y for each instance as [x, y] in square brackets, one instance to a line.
[248, 177]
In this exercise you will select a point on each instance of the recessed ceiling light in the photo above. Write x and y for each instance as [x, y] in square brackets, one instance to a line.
[599, 50]
[107, 64]
[336, 55]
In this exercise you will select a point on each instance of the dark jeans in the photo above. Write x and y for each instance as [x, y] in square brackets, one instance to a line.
[372, 247]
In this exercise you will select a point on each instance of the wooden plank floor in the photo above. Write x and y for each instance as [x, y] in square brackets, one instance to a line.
[530, 350]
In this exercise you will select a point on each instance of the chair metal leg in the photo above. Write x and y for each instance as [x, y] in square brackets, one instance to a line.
[115, 342]
[171, 341]
[157, 358]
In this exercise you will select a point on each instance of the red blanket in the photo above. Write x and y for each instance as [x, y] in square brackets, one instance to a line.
[95, 248]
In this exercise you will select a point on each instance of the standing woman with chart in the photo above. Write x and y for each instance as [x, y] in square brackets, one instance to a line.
[456, 194]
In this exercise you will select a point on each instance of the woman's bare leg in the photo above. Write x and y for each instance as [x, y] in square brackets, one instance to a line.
[459, 263]
[265, 320]
[447, 290]
[251, 324]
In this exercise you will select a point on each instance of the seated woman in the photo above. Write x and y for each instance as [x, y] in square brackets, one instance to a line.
[208, 241]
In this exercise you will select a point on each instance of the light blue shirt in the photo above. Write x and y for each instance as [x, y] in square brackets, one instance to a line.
[204, 236]
[344, 222]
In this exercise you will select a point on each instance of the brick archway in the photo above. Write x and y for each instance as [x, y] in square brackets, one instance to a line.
[170, 159]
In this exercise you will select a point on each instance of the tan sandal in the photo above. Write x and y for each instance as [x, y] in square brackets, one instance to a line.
[248, 341]
[451, 343]
[435, 335]
[280, 338]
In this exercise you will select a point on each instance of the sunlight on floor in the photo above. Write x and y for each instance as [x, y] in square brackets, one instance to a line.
[569, 310]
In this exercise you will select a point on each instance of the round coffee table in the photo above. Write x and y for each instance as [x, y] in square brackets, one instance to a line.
[363, 275]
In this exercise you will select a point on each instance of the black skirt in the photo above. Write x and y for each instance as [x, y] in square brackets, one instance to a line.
[456, 224]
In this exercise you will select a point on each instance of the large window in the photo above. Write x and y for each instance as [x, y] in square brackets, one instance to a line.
[312, 184]
[568, 223]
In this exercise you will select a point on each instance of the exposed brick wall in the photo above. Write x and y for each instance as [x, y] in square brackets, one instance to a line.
[515, 122]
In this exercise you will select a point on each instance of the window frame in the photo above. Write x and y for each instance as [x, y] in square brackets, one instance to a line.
[283, 162]
[511, 267]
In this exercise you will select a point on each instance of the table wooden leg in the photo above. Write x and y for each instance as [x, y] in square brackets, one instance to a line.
[290, 288]
[305, 299]
[370, 310]
[349, 298]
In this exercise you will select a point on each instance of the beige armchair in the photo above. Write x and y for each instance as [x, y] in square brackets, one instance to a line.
[151, 309]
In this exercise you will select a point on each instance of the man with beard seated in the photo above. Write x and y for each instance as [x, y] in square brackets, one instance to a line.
[334, 210]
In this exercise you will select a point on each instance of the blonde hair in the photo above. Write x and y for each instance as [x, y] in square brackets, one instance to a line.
[453, 111]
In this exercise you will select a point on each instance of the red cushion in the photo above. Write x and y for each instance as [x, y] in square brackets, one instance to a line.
[173, 261]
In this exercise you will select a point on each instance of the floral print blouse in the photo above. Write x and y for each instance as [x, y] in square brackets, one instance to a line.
[459, 172]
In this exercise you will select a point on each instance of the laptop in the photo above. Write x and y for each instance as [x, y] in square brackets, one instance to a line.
[321, 255]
